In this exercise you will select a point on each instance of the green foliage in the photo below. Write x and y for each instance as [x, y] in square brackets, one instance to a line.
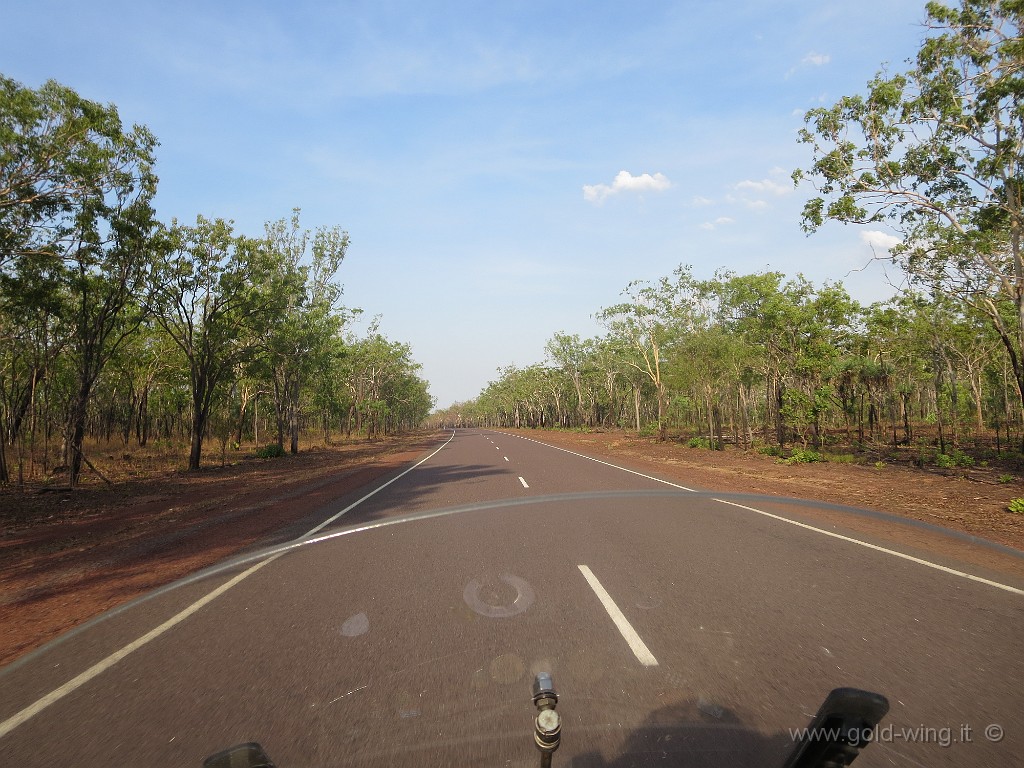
[1016, 506]
[76, 233]
[802, 456]
[650, 429]
[1004, 479]
[839, 458]
[698, 442]
[770, 450]
[935, 154]
[272, 451]
[955, 458]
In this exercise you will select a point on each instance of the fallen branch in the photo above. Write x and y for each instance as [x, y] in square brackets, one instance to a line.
[90, 465]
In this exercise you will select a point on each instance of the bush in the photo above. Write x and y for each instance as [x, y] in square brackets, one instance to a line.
[650, 429]
[802, 456]
[955, 458]
[1004, 479]
[1016, 506]
[698, 442]
[770, 450]
[272, 451]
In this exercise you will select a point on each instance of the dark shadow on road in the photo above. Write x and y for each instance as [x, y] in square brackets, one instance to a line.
[400, 498]
[692, 732]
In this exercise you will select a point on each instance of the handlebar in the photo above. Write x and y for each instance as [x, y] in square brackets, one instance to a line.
[833, 739]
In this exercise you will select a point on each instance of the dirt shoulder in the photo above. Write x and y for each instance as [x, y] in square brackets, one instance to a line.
[969, 501]
[66, 557]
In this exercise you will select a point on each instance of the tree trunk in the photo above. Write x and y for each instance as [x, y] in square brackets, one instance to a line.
[5, 478]
[279, 411]
[780, 424]
[244, 394]
[78, 414]
[662, 427]
[202, 395]
[142, 418]
[636, 406]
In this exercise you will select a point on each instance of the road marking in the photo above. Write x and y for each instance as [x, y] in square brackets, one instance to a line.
[505, 458]
[640, 650]
[877, 548]
[613, 466]
[523, 482]
[355, 504]
[101, 666]
[75, 683]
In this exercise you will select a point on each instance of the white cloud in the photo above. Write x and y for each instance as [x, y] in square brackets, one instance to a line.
[721, 220]
[764, 186]
[812, 59]
[881, 240]
[700, 200]
[626, 182]
[816, 59]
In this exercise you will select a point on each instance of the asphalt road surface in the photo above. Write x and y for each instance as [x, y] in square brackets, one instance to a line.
[681, 627]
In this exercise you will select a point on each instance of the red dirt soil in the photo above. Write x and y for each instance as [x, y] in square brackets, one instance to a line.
[66, 556]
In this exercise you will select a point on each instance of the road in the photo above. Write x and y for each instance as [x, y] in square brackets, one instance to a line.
[677, 623]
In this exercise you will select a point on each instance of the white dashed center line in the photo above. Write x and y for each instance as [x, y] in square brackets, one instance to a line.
[523, 482]
[640, 650]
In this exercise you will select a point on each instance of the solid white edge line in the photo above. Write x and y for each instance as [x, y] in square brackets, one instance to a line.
[636, 645]
[927, 563]
[523, 482]
[613, 466]
[376, 490]
[877, 548]
[99, 667]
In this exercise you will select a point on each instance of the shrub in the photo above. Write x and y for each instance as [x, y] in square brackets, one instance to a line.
[650, 429]
[698, 442]
[1016, 506]
[802, 456]
[272, 451]
[770, 450]
[955, 458]
[1004, 479]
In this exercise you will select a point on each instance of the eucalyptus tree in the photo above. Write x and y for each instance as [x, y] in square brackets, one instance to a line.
[652, 316]
[572, 356]
[76, 225]
[937, 153]
[57, 151]
[213, 291]
[382, 382]
[298, 341]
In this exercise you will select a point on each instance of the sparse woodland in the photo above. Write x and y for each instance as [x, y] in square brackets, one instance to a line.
[116, 327]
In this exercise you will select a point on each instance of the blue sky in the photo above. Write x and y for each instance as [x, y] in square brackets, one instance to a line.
[503, 169]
